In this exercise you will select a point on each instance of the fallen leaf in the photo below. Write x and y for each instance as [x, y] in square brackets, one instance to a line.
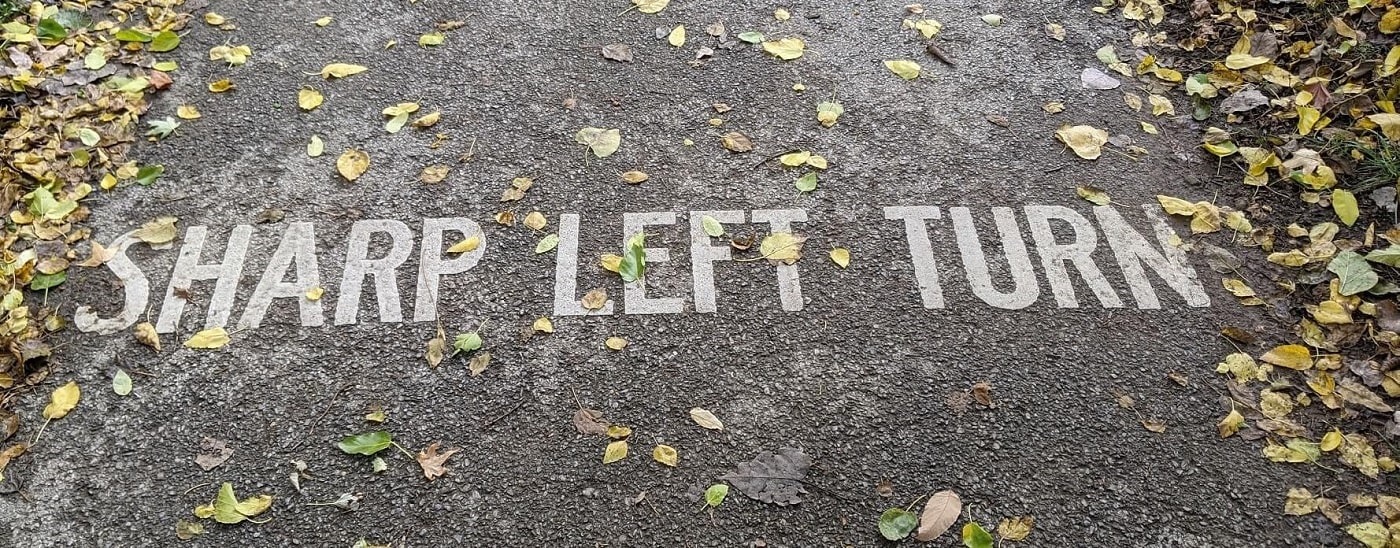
[341, 70]
[1093, 195]
[828, 112]
[1086, 141]
[211, 338]
[62, 400]
[588, 421]
[616, 343]
[352, 164]
[650, 6]
[904, 68]
[781, 247]
[617, 52]
[897, 523]
[603, 142]
[974, 536]
[547, 243]
[434, 463]
[542, 325]
[772, 477]
[841, 256]
[615, 451]
[594, 299]
[666, 455]
[212, 453]
[706, 419]
[315, 147]
[145, 333]
[634, 177]
[714, 495]
[1015, 529]
[367, 443]
[940, 512]
[437, 349]
[677, 36]
[736, 142]
[786, 49]
[308, 99]
[467, 245]
[121, 383]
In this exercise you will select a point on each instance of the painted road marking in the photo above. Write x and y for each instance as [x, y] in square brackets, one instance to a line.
[1060, 258]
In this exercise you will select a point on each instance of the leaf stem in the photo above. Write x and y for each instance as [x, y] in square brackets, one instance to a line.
[405, 451]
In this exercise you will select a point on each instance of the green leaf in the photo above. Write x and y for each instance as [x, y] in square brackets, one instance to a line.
[806, 183]
[367, 443]
[226, 506]
[1344, 203]
[752, 37]
[466, 342]
[50, 30]
[45, 281]
[378, 465]
[132, 35]
[164, 41]
[89, 137]
[95, 59]
[897, 523]
[1389, 256]
[974, 536]
[121, 383]
[160, 129]
[147, 175]
[634, 259]
[43, 204]
[547, 243]
[715, 494]
[1353, 272]
[712, 226]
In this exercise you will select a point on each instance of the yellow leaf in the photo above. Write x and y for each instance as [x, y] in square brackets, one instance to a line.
[1015, 529]
[323, 21]
[616, 343]
[1389, 122]
[341, 70]
[467, 245]
[677, 36]
[610, 262]
[1149, 128]
[214, 18]
[315, 293]
[1161, 106]
[1370, 534]
[1230, 424]
[431, 39]
[618, 431]
[706, 419]
[794, 159]
[220, 86]
[817, 162]
[1238, 287]
[543, 325]
[63, 400]
[1292, 356]
[254, 505]
[159, 231]
[535, 221]
[427, 120]
[786, 49]
[650, 6]
[315, 147]
[1307, 119]
[595, 299]
[1391, 64]
[666, 455]
[905, 68]
[781, 247]
[616, 451]
[1093, 195]
[1176, 206]
[214, 337]
[145, 333]
[929, 28]
[1086, 141]
[1241, 61]
[1344, 203]
[308, 99]
[634, 177]
[187, 112]
[841, 256]
[1331, 440]
[1390, 22]
[352, 164]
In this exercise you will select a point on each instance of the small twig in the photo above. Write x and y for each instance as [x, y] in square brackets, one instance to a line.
[188, 491]
[312, 429]
[508, 412]
[773, 157]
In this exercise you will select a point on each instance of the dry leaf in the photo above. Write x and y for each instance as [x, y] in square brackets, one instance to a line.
[209, 339]
[939, 514]
[543, 325]
[352, 164]
[706, 419]
[437, 349]
[145, 333]
[588, 421]
[616, 451]
[1015, 529]
[477, 365]
[616, 343]
[666, 455]
[63, 400]
[1086, 141]
[736, 142]
[595, 299]
[433, 462]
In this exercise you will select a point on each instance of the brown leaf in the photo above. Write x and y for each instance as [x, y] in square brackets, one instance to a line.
[595, 299]
[145, 333]
[618, 52]
[479, 362]
[12, 452]
[940, 512]
[982, 392]
[885, 488]
[433, 463]
[589, 421]
[736, 142]
[212, 452]
[437, 348]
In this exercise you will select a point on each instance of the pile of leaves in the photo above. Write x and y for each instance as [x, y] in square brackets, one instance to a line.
[1298, 100]
[76, 78]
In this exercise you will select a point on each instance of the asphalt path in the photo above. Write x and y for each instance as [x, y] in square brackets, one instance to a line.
[866, 368]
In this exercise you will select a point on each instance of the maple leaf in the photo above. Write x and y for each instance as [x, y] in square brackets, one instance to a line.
[433, 462]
